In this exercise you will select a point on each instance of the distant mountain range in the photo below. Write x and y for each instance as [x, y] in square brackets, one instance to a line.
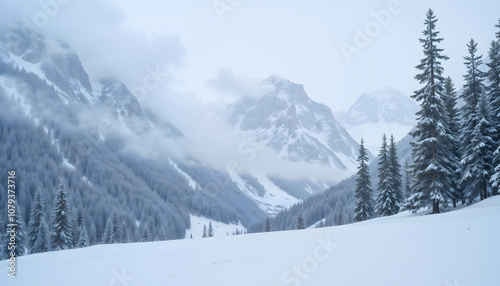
[118, 157]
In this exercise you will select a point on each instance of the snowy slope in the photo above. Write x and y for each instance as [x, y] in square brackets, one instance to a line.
[220, 229]
[451, 249]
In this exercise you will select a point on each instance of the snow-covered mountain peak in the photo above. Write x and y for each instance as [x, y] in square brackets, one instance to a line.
[387, 105]
[49, 59]
[276, 80]
[382, 111]
[295, 126]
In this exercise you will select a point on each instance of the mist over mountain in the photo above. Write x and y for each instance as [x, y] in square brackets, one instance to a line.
[294, 126]
[118, 157]
[386, 111]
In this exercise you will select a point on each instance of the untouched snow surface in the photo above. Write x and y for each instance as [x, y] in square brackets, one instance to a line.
[451, 249]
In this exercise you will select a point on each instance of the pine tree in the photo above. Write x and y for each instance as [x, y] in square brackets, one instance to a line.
[149, 234]
[210, 231]
[61, 227]
[395, 179]
[42, 242]
[37, 214]
[108, 235]
[390, 196]
[383, 202]
[338, 215]
[77, 222]
[116, 229]
[301, 222]
[363, 193]
[476, 130]
[430, 149]
[204, 235]
[479, 160]
[268, 226]
[83, 237]
[493, 89]
[450, 102]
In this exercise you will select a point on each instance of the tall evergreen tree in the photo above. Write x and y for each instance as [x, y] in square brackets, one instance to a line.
[476, 128]
[493, 89]
[204, 231]
[430, 150]
[479, 166]
[363, 193]
[210, 230]
[38, 227]
[383, 202]
[395, 180]
[450, 103]
[42, 242]
[268, 226]
[108, 235]
[301, 224]
[61, 227]
[390, 196]
[37, 212]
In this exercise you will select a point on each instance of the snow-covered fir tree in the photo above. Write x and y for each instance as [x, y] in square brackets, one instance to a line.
[204, 234]
[38, 240]
[479, 167]
[108, 235]
[83, 237]
[363, 209]
[149, 234]
[301, 224]
[61, 226]
[116, 228]
[395, 179]
[493, 90]
[430, 150]
[384, 200]
[390, 195]
[450, 103]
[42, 242]
[81, 233]
[338, 216]
[210, 230]
[476, 141]
[268, 226]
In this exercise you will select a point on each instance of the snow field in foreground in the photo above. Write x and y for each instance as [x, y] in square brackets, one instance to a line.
[456, 248]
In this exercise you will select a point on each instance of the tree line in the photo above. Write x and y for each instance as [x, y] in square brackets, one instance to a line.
[455, 151]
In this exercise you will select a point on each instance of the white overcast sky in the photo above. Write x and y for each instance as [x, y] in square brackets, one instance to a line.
[214, 59]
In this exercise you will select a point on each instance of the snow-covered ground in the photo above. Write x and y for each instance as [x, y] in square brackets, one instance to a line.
[456, 248]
